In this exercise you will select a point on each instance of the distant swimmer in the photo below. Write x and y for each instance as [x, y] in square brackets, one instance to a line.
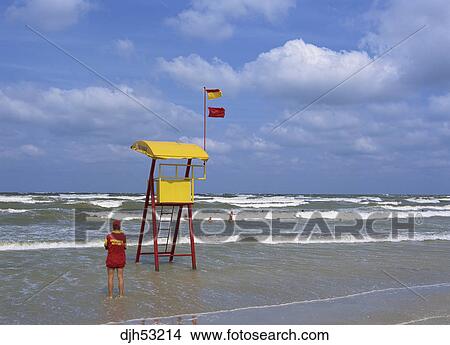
[231, 217]
[115, 244]
[210, 220]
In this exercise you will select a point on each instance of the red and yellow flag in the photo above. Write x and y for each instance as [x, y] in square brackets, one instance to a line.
[216, 112]
[214, 93]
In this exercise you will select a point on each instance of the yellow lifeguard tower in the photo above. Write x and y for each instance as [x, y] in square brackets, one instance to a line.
[174, 190]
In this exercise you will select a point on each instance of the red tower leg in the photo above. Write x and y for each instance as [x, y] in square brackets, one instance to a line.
[144, 213]
[191, 237]
[155, 226]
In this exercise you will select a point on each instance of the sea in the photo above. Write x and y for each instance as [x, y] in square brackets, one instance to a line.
[261, 259]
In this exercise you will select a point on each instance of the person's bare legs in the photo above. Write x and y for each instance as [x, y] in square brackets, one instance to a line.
[121, 285]
[110, 282]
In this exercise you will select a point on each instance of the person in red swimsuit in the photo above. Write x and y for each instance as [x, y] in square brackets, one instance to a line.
[115, 244]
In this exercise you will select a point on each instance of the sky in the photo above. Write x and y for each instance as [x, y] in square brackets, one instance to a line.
[386, 129]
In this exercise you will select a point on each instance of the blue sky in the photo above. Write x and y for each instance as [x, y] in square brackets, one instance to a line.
[386, 130]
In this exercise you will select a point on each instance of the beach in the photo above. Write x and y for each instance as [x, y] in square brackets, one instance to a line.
[265, 267]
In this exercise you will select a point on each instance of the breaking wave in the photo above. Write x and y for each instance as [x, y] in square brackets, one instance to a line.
[220, 240]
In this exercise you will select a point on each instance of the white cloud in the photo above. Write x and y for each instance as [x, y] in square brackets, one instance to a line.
[300, 71]
[206, 25]
[22, 151]
[398, 135]
[381, 115]
[197, 72]
[124, 47]
[424, 57]
[296, 70]
[254, 143]
[49, 15]
[212, 145]
[215, 19]
[328, 119]
[237, 142]
[90, 125]
[364, 145]
[440, 104]
[92, 111]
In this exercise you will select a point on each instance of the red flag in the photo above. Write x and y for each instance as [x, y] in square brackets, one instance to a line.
[216, 112]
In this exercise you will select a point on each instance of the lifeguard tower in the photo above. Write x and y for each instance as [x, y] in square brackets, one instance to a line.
[174, 190]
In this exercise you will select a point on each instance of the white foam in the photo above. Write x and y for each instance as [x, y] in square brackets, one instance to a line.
[248, 201]
[17, 246]
[424, 200]
[352, 240]
[131, 218]
[317, 214]
[418, 208]
[24, 199]
[12, 210]
[232, 239]
[348, 200]
[269, 240]
[107, 203]
[75, 198]
[11, 246]
[366, 214]
[97, 199]
[81, 196]
[389, 203]
[208, 197]
[432, 317]
[427, 214]
[269, 215]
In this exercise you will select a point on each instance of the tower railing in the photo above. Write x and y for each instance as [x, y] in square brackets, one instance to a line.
[177, 187]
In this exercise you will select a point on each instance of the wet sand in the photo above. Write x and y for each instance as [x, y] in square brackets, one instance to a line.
[240, 283]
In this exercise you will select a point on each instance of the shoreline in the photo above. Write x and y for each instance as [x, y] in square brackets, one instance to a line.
[293, 312]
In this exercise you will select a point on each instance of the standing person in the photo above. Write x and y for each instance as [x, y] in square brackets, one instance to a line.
[231, 216]
[115, 244]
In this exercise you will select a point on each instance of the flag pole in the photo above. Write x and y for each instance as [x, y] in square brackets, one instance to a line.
[204, 118]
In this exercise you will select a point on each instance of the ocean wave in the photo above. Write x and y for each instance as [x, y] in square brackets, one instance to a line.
[424, 200]
[108, 200]
[107, 203]
[248, 201]
[388, 203]
[72, 196]
[417, 208]
[102, 200]
[350, 239]
[376, 214]
[24, 199]
[348, 200]
[279, 200]
[14, 246]
[129, 218]
[345, 239]
[48, 245]
[98, 197]
[238, 239]
[12, 210]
